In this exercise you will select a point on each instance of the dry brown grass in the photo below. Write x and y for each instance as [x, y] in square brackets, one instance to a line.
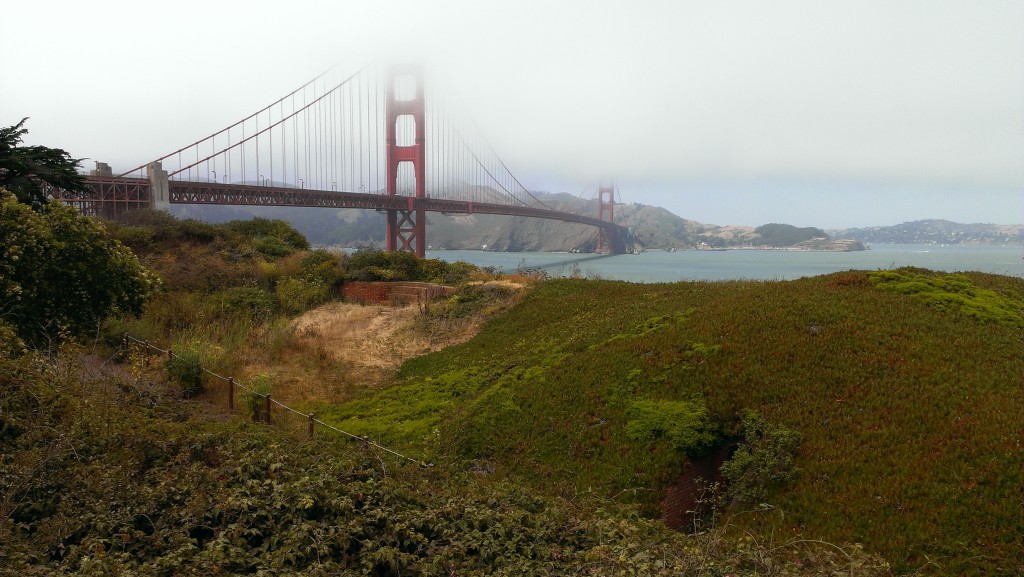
[339, 348]
[512, 281]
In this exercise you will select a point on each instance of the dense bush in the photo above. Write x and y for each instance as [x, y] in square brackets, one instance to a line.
[953, 292]
[764, 462]
[295, 294]
[253, 302]
[322, 267]
[184, 367]
[368, 264]
[61, 275]
[272, 237]
[685, 426]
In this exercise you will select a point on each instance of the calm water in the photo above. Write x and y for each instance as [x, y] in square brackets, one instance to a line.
[660, 266]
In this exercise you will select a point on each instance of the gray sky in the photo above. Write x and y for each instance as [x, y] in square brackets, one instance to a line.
[810, 112]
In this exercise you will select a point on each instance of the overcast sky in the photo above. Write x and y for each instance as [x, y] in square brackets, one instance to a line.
[809, 112]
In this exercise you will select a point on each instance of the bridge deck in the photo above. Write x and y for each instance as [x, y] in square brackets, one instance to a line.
[114, 195]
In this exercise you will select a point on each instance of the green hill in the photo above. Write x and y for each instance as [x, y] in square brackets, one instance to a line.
[906, 388]
[880, 408]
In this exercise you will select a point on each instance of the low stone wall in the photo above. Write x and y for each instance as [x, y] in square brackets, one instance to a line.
[394, 292]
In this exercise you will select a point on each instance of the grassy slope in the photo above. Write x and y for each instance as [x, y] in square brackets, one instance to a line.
[910, 414]
[112, 477]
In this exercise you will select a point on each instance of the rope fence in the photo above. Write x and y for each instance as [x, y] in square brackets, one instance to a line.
[293, 420]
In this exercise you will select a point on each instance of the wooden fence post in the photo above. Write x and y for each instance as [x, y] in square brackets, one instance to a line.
[231, 393]
[312, 418]
[266, 404]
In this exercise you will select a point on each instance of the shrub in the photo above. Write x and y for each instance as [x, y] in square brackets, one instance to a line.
[273, 246]
[368, 264]
[296, 295]
[685, 426]
[277, 235]
[954, 292]
[138, 238]
[61, 275]
[10, 344]
[322, 267]
[764, 461]
[255, 398]
[184, 366]
[254, 302]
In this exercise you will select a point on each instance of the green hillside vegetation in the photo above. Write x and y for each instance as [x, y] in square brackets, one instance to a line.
[787, 234]
[106, 469]
[904, 388]
[231, 289]
[878, 407]
[112, 476]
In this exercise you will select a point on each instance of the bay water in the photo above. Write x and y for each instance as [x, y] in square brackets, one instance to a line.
[752, 264]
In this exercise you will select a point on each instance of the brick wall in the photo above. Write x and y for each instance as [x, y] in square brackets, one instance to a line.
[682, 500]
[394, 292]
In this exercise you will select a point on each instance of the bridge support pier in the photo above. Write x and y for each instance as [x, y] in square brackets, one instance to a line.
[159, 187]
[407, 228]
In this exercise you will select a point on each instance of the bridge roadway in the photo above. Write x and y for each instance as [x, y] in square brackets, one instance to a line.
[136, 191]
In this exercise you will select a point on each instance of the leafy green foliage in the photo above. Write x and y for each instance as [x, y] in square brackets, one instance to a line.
[685, 426]
[255, 398]
[295, 295]
[368, 264]
[144, 228]
[764, 462]
[22, 167]
[273, 238]
[252, 302]
[184, 366]
[322, 267]
[60, 275]
[954, 292]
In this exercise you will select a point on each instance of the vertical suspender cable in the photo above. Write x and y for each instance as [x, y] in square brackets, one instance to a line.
[334, 142]
[361, 189]
[295, 145]
[257, 129]
[270, 145]
[284, 146]
[353, 122]
[305, 134]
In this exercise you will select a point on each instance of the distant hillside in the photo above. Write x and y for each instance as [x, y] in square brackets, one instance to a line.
[656, 227]
[938, 232]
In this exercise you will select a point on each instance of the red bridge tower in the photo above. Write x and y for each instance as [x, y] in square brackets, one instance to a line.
[605, 207]
[406, 227]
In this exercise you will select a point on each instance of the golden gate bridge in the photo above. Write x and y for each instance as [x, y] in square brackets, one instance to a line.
[376, 138]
